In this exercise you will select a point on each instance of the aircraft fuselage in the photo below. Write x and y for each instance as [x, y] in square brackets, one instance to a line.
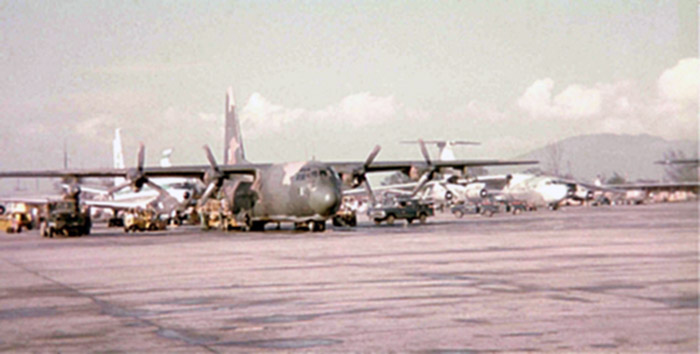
[297, 191]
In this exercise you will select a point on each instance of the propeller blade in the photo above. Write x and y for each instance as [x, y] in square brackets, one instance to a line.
[424, 151]
[207, 194]
[372, 155]
[210, 157]
[141, 157]
[117, 188]
[370, 193]
[424, 180]
[160, 189]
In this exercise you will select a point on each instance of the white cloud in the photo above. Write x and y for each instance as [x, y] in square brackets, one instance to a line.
[575, 101]
[680, 82]
[259, 115]
[363, 109]
[537, 99]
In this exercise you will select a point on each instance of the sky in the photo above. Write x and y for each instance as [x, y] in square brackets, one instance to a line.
[331, 79]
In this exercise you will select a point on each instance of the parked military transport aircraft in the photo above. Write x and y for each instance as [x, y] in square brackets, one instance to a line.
[305, 193]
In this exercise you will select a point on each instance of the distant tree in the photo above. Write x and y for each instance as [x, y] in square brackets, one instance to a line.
[680, 172]
[395, 178]
[616, 179]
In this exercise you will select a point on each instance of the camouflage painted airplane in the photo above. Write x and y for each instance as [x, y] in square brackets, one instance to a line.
[306, 193]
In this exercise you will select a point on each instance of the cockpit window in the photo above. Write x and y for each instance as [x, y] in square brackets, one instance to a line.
[324, 173]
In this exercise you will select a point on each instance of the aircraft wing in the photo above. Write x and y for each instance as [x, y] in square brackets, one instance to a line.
[491, 182]
[34, 201]
[110, 204]
[196, 171]
[659, 186]
[679, 162]
[384, 166]
[397, 188]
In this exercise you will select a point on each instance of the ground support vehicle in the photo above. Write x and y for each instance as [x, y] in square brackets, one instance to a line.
[489, 206]
[143, 220]
[213, 216]
[409, 210]
[14, 222]
[517, 206]
[65, 218]
[345, 218]
[459, 210]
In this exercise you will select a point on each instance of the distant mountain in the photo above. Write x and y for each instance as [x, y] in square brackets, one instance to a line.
[632, 156]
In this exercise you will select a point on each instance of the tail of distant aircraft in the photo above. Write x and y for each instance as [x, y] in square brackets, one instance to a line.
[444, 147]
[233, 143]
[118, 155]
[165, 158]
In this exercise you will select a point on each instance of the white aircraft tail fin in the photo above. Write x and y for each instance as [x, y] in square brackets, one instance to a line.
[233, 143]
[165, 158]
[118, 155]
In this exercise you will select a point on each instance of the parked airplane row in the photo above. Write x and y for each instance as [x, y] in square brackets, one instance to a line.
[305, 193]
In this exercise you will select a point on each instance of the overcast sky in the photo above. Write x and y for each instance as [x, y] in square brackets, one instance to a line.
[332, 79]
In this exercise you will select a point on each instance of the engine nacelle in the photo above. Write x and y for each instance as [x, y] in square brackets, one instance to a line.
[584, 194]
[475, 193]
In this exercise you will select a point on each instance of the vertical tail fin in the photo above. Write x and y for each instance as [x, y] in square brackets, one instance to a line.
[165, 158]
[233, 143]
[118, 155]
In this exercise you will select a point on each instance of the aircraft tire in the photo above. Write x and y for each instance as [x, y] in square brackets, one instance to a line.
[459, 214]
[423, 218]
[257, 226]
[390, 219]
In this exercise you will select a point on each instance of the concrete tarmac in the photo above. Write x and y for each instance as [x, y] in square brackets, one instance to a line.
[610, 279]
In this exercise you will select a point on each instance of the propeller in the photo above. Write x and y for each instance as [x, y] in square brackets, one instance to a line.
[135, 178]
[71, 188]
[360, 175]
[213, 178]
[426, 177]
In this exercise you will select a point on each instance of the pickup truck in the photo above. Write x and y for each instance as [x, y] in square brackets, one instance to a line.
[409, 210]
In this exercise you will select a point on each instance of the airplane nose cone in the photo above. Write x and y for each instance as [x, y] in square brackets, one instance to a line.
[325, 200]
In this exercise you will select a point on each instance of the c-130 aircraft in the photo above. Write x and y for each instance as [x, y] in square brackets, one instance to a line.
[306, 193]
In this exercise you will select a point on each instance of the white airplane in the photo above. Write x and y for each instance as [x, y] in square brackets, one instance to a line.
[165, 195]
[451, 188]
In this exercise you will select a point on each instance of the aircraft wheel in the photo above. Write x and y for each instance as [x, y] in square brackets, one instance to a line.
[459, 214]
[257, 226]
[423, 218]
[390, 219]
